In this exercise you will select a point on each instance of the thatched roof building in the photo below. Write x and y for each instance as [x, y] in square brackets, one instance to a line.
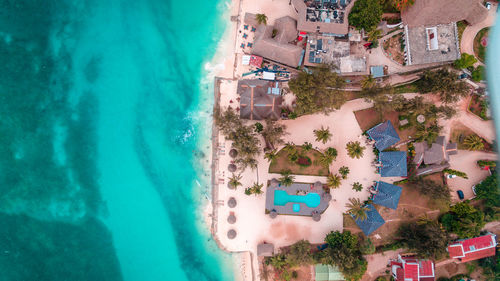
[265, 249]
[434, 12]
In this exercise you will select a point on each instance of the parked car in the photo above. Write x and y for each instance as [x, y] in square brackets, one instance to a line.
[474, 189]
[462, 76]
[487, 5]
[460, 194]
[450, 176]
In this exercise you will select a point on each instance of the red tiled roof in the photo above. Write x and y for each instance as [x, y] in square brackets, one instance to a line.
[479, 254]
[427, 279]
[426, 268]
[400, 274]
[411, 271]
[480, 242]
[455, 251]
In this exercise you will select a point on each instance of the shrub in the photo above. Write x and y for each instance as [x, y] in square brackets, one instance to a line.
[456, 173]
[304, 161]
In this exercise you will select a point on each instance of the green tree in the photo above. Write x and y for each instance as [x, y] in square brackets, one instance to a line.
[278, 261]
[427, 133]
[357, 209]
[344, 252]
[299, 254]
[357, 186]
[367, 247]
[373, 35]
[465, 61]
[259, 127]
[261, 18]
[366, 14]
[402, 5]
[478, 73]
[323, 135]
[286, 179]
[273, 133]
[444, 83]
[234, 181]
[271, 155]
[333, 181]
[307, 146]
[430, 189]
[320, 91]
[344, 171]
[474, 142]
[427, 237]
[488, 190]
[256, 189]
[463, 220]
[354, 149]
[368, 82]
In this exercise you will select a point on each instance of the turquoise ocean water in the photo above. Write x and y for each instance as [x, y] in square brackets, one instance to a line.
[105, 118]
[493, 73]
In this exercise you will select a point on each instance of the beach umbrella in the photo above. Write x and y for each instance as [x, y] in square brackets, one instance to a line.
[231, 219]
[318, 185]
[231, 234]
[231, 202]
[273, 214]
[231, 168]
[233, 153]
[316, 216]
[274, 183]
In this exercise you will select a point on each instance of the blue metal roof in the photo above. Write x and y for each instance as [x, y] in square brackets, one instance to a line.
[384, 135]
[393, 164]
[373, 221]
[388, 195]
[377, 71]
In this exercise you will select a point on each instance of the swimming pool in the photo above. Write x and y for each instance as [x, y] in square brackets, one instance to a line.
[311, 200]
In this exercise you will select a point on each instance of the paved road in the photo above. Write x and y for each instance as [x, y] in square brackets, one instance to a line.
[467, 43]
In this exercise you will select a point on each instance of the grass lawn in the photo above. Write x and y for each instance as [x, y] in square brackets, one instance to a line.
[461, 25]
[479, 49]
[282, 163]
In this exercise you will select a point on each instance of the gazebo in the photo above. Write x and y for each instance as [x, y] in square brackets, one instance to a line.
[265, 250]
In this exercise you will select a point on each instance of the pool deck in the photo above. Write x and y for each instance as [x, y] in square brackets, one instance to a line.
[296, 187]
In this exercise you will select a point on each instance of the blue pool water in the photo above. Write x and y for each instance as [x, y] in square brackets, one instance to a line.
[311, 200]
[296, 207]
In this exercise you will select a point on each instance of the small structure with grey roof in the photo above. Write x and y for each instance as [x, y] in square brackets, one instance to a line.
[372, 222]
[265, 250]
[257, 101]
[279, 48]
[384, 135]
[326, 272]
[377, 71]
[330, 17]
[387, 195]
[435, 157]
[297, 199]
[393, 164]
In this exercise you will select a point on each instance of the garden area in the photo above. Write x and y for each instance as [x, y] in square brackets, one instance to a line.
[466, 139]
[394, 48]
[306, 162]
[480, 44]
[478, 105]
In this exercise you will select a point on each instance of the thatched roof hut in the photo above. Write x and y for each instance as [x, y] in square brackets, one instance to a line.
[231, 218]
[265, 250]
[232, 168]
[231, 202]
[231, 234]
[233, 153]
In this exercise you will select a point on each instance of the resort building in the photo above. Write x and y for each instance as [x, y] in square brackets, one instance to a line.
[259, 99]
[277, 43]
[328, 17]
[334, 51]
[386, 194]
[393, 164]
[435, 157]
[372, 222]
[384, 135]
[431, 31]
[300, 199]
[473, 249]
[409, 268]
[265, 250]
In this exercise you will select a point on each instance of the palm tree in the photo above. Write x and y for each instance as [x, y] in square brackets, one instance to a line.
[357, 186]
[257, 188]
[261, 18]
[374, 34]
[474, 142]
[271, 155]
[368, 82]
[234, 181]
[354, 149]
[344, 171]
[323, 135]
[331, 152]
[325, 160]
[357, 209]
[286, 179]
[290, 148]
[333, 181]
[307, 146]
